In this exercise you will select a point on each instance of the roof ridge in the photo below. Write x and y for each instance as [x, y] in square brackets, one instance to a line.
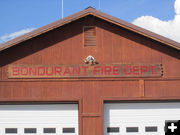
[97, 13]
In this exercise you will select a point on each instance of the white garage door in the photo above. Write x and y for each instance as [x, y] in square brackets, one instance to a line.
[138, 118]
[57, 119]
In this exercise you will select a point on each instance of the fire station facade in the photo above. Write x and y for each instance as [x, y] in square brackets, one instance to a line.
[89, 74]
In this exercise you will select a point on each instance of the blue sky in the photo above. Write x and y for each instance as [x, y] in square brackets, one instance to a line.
[17, 15]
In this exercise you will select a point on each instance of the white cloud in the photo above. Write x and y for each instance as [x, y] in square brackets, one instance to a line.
[169, 29]
[13, 35]
[177, 6]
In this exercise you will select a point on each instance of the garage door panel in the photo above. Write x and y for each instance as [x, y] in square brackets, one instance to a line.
[140, 118]
[40, 119]
[38, 110]
[41, 129]
[134, 119]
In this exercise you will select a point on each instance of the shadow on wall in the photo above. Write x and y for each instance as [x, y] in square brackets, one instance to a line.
[72, 29]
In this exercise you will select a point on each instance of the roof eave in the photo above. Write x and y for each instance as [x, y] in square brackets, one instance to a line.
[99, 14]
[44, 29]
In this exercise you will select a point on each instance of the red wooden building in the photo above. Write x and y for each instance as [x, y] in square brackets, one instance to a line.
[89, 74]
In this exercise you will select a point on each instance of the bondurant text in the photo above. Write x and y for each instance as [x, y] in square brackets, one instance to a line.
[80, 70]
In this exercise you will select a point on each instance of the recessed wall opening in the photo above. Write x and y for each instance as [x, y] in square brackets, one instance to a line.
[89, 33]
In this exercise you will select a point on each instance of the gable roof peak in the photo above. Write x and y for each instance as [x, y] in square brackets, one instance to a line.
[89, 8]
[96, 13]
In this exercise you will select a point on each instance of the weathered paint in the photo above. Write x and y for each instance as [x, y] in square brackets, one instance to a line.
[114, 44]
[85, 71]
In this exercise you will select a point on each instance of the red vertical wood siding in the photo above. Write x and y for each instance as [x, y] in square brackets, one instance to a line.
[114, 44]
